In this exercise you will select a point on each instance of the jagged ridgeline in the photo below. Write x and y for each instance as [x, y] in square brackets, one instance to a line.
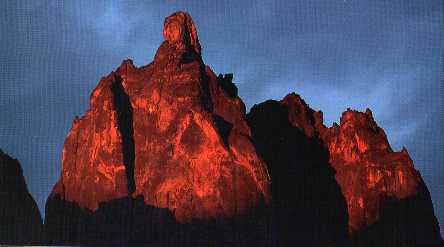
[324, 180]
[167, 156]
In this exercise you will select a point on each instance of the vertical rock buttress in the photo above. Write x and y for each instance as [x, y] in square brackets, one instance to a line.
[166, 139]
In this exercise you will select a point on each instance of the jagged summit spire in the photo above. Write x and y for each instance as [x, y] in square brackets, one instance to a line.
[179, 29]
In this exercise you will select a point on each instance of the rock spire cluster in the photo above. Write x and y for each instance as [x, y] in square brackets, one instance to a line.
[167, 155]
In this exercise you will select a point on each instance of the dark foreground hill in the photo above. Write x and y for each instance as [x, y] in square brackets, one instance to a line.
[20, 220]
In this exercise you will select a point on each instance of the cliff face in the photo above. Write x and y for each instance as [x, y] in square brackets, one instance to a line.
[386, 198]
[167, 155]
[387, 202]
[20, 220]
[309, 207]
[171, 133]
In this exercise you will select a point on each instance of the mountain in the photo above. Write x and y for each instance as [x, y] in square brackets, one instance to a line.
[387, 202]
[20, 220]
[170, 138]
[309, 206]
[166, 155]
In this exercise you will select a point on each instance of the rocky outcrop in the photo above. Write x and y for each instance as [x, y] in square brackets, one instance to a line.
[20, 220]
[171, 134]
[308, 204]
[309, 207]
[166, 155]
[387, 202]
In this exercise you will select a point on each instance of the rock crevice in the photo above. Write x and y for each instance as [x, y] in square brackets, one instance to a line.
[124, 111]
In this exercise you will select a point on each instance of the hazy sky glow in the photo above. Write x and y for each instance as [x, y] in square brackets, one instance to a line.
[385, 55]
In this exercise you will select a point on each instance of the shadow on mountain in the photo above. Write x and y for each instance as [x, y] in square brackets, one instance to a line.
[224, 128]
[226, 82]
[20, 220]
[129, 221]
[125, 125]
[405, 222]
[309, 207]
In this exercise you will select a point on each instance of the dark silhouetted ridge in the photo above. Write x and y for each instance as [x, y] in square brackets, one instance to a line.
[20, 220]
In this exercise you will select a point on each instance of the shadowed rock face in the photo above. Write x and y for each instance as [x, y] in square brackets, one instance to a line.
[169, 133]
[387, 202]
[20, 220]
[130, 222]
[308, 204]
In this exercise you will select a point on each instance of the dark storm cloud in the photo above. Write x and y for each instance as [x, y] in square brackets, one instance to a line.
[385, 55]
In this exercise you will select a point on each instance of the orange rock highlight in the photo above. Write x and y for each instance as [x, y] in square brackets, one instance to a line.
[180, 139]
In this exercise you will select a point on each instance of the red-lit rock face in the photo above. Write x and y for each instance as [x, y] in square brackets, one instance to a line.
[179, 30]
[93, 163]
[367, 168]
[168, 146]
[377, 182]
[168, 131]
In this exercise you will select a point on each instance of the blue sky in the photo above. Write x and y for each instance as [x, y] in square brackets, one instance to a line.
[385, 55]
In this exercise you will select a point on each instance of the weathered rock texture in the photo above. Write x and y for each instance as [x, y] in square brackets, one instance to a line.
[166, 155]
[171, 132]
[20, 220]
[387, 202]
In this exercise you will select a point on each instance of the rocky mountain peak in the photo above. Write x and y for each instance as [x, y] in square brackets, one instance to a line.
[168, 136]
[387, 202]
[180, 31]
[167, 152]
